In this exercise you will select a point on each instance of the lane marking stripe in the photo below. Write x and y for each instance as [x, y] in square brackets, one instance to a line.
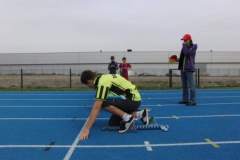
[74, 144]
[148, 146]
[175, 117]
[162, 92]
[87, 99]
[106, 118]
[124, 146]
[145, 105]
[212, 143]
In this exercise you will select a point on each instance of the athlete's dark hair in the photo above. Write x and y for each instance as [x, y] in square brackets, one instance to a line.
[87, 75]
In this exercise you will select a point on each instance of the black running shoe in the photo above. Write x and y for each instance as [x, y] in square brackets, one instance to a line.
[124, 126]
[145, 118]
[191, 103]
[183, 102]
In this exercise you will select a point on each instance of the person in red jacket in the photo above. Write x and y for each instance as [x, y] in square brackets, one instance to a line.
[124, 66]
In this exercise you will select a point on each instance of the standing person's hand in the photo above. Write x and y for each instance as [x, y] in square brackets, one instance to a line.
[84, 135]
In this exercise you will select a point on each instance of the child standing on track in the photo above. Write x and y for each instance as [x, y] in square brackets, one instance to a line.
[124, 111]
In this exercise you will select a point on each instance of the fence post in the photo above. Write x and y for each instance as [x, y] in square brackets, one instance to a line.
[198, 73]
[196, 77]
[70, 78]
[21, 82]
[170, 78]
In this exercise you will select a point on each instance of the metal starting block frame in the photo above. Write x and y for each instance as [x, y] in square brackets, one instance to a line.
[156, 126]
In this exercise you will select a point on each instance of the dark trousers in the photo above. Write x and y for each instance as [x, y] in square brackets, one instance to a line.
[188, 86]
[125, 105]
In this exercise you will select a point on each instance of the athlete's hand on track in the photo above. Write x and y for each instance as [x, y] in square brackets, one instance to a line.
[84, 135]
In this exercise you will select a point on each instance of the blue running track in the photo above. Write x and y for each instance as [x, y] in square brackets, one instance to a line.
[45, 125]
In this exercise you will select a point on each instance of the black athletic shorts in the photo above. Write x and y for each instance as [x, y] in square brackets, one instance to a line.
[126, 105]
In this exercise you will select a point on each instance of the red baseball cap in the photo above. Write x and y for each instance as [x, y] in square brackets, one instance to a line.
[186, 37]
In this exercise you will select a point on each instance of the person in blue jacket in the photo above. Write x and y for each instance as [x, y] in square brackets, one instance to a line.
[187, 68]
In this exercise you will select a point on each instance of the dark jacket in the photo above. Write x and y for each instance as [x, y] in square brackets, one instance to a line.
[113, 67]
[187, 58]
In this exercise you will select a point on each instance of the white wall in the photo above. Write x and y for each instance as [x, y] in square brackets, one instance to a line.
[104, 57]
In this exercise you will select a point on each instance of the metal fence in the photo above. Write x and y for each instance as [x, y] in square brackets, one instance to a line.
[156, 75]
[197, 77]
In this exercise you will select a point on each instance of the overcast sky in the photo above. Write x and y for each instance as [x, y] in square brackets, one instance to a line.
[93, 25]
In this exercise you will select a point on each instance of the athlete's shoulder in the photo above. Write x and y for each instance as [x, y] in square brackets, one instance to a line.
[106, 76]
[105, 79]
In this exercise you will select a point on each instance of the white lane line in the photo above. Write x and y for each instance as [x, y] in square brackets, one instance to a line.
[46, 99]
[199, 104]
[45, 106]
[143, 105]
[200, 97]
[213, 104]
[213, 91]
[153, 105]
[106, 118]
[148, 146]
[124, 146]
[179, 93]
[175, 117]
[45, 94]
[74, 144]
[88, 99]
[198, 116]
[46, 119]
